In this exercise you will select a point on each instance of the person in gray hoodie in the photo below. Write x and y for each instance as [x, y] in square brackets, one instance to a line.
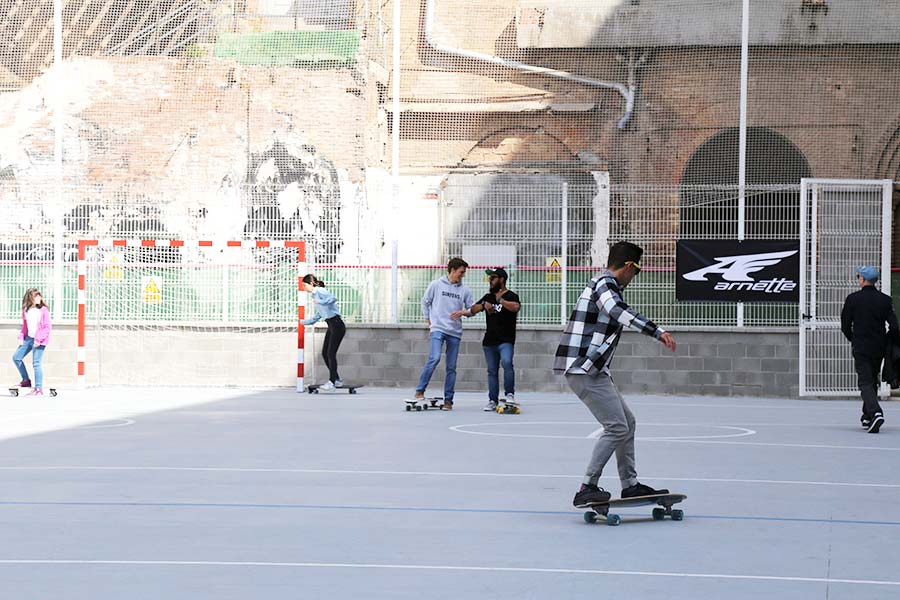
[444, 302]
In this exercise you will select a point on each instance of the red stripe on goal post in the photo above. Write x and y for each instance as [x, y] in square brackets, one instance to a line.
[300, 245]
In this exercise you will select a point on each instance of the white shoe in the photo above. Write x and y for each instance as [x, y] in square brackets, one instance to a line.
[339, 383]
[327, 386]
[511, 398]
[491, 406]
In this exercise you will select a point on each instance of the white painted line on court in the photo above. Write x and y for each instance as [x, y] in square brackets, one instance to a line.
[442, 474]
[108, 424]
[408, 567]
[684, 439]
[597, 433]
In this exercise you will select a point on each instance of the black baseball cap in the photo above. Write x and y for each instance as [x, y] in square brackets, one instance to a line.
[499, 272]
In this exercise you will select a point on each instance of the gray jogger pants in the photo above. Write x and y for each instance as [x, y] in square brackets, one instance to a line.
[602, 398]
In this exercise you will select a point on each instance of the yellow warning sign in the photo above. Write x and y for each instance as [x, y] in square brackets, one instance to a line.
[113, 268]
[554, 273]
[151, 290]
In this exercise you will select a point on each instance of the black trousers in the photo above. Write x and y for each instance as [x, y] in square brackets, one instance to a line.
[868, 369]
[333, 338]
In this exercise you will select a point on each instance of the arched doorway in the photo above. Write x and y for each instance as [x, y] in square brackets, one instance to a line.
[708, 191]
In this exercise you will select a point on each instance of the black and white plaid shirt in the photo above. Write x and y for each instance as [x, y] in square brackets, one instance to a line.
[595, 326]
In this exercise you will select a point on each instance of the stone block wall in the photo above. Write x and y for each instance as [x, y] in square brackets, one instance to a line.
[707, 362]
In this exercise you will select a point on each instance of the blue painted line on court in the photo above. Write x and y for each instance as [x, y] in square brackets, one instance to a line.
[425, 509]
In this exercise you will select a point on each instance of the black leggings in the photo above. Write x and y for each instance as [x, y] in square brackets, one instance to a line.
[333, 338]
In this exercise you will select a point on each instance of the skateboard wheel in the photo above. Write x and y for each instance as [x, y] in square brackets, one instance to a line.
[424, 407]
[501, 410]
[14, 392]
[677, 514]
[659, 514]
[418, 408]
[52, 392]
[352, 391]
[408, 408]
[590, 517]
[613, 520]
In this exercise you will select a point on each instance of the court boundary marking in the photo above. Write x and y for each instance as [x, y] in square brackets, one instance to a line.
[413, 509]
[743, 431]
[676, 440]
[456, 568]
[376, 472]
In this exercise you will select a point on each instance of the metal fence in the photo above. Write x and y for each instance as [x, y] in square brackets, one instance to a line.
[551, 237]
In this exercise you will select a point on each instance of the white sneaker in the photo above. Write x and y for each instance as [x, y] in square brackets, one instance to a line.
[327, 386]
[491, 406]
[339, 383]
[511, 398]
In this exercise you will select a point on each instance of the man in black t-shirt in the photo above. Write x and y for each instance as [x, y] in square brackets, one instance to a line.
[501, 308]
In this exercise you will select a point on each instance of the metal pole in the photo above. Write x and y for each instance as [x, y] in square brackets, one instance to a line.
[58, 160]
[887, 189]
[395, 284]
[804, 309]
[742, 134]
[564, 254]
[395, 159]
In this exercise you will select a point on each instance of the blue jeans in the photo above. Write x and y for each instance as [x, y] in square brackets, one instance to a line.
[495, 356]
[19, 359]
[437, 340]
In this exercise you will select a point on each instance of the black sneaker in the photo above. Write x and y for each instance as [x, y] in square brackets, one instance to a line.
[589, 495]
[639, 489]
[865, 421]
[877, 422]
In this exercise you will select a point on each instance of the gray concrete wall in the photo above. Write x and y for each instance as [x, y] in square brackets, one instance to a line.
[651, 23]
[721, 362]
[707, 362]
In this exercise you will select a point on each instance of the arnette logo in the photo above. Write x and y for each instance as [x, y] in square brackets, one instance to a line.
[735, 270]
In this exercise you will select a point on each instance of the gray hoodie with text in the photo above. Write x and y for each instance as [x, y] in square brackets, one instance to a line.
[442, 298]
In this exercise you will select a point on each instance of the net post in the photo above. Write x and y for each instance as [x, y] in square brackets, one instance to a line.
[301, 310]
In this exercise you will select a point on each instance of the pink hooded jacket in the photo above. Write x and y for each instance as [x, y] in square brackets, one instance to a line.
[43, 330]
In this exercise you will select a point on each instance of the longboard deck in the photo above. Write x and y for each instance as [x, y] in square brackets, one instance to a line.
[663, 502]
[508, 408]
[14, 391]
[435, 403]
[351, 389]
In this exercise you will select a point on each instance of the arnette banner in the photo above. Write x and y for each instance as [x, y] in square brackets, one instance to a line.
[738, 271]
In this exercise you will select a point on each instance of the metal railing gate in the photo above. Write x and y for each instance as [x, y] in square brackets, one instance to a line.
[844, 223]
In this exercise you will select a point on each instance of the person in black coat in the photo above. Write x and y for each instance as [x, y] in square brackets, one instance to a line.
[863, 320]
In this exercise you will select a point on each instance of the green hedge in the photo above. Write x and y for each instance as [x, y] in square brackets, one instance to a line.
[301, 49]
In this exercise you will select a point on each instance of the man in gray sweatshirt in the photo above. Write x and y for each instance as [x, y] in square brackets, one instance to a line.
[444, 302]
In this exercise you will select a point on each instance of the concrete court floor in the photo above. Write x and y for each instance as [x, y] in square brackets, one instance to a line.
[237, 494]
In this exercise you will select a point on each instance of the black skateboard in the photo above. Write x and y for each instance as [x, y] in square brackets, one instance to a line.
[350, 388]
[425, 404]
[14, 391]
[664, 508]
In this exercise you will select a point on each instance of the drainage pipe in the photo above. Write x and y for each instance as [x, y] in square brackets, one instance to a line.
[626, 91]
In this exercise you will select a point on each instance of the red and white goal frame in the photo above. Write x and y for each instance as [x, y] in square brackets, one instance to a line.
[136, 243]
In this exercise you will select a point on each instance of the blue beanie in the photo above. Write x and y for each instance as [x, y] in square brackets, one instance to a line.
[870, 274]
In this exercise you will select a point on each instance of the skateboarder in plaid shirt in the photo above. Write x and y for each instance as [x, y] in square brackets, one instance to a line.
[584, 354]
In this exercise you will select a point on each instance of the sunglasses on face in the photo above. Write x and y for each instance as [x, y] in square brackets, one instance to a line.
[636, 265]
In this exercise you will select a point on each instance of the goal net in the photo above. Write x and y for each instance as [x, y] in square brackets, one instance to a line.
[190, 313]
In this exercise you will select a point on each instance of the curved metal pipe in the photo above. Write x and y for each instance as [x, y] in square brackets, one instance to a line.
[626, 91]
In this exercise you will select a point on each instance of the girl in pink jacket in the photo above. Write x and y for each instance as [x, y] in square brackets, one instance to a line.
[33, 338]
